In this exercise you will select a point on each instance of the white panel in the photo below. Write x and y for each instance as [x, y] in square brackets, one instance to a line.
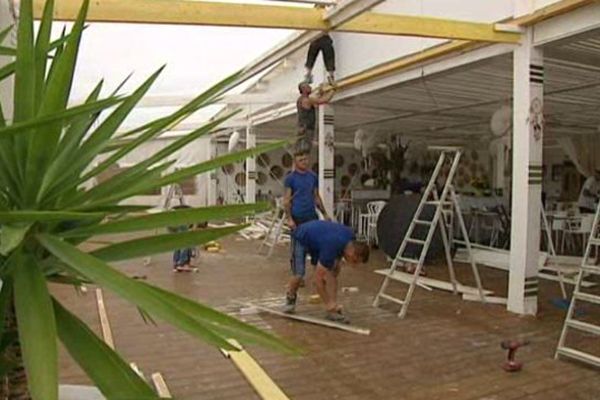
[544, 3]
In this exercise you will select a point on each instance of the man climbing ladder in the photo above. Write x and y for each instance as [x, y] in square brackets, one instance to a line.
[306, 106]
[323, 44]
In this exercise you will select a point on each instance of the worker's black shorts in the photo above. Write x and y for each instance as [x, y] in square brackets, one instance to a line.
[304, 140]
[325, 45]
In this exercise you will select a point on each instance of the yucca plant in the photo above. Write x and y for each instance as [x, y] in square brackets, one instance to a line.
[46, 156]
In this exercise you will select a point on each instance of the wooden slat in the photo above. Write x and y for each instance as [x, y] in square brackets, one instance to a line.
[253, 372]
[433, 283]
[488, 299]
[104, 322]
[161, 386]
[316, 321]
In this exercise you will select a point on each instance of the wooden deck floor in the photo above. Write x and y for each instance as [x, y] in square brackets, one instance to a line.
[445, 349]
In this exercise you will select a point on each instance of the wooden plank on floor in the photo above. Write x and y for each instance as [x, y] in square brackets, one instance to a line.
[161, 386]
[488, 299]
[254, 373]
[136, 369]
[313, 320]
[434, 283]
[104, 323]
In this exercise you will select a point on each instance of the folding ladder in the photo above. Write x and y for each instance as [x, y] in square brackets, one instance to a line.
[444, 205]
[174, 191]
[579, 297]
[274, 232]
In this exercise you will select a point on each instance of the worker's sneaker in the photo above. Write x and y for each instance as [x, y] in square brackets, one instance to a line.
[337, 316]
[331, 80]
[290, 304]
[308, 78]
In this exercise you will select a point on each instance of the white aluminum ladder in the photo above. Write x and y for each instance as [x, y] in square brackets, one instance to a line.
[444, 204]
[174, 191]
[274, 232]
[578, 297]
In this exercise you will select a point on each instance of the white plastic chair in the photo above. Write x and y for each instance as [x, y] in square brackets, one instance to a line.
[373, 210]
[578, 226]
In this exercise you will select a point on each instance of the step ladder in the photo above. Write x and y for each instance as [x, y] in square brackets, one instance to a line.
[445, 205]
[274, 232]
[579, 297]
[174, 192]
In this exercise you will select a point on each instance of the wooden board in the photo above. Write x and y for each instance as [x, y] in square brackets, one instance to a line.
[492, 257]
[161, 386]
[104, 323]
[432, 283]
[316, 321]
[253, 372]
[488, 299]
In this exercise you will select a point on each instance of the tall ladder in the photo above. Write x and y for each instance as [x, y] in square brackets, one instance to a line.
[444, 204]
[174, 191]
[274, 232]
[582, 297]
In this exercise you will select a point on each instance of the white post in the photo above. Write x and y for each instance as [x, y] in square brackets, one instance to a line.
[250, 167]
[528, 88]
[326, 156]
[212, 184]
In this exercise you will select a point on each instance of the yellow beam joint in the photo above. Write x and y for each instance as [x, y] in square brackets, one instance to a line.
[404, 25]
[261, 16]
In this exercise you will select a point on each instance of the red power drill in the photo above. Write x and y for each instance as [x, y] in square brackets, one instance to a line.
[511, 365]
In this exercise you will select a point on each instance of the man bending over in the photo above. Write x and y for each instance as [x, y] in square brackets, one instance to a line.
[327, 243]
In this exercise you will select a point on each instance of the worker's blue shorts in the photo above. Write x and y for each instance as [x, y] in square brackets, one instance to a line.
[297, 258]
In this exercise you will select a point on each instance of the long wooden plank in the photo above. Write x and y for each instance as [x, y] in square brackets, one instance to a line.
[254, 373]
[488, 299]
[161, 386]
[280, 17]
[104, 322]
[434, 283]
[313, 320]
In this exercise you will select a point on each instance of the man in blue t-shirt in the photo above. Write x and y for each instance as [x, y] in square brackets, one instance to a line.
[301, 198]
[301, 201]
[327, 243]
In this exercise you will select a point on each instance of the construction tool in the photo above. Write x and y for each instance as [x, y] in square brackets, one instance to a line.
[444, 204]
[580, 296]
[512, 365]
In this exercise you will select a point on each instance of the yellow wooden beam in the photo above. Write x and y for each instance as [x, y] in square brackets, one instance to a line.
[266, 388]
[252, 15]
[405, 25]
[189, 13]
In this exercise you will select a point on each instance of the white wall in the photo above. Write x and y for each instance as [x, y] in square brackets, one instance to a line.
[194, 153]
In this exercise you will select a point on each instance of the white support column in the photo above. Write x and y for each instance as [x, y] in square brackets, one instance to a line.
[528, 87]
[250, 167]
[326, 156]
[212, 184]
